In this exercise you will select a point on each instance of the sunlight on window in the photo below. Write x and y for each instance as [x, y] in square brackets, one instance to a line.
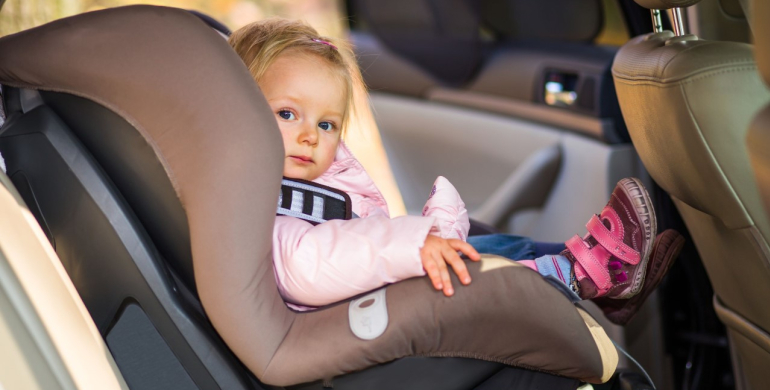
[325, 15]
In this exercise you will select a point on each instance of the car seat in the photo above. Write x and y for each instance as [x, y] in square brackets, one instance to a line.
[687, 103]
[151, 161]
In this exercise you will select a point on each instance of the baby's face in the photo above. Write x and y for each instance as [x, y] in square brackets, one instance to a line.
[308, 99]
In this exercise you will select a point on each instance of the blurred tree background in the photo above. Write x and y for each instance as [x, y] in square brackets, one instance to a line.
[325, 15]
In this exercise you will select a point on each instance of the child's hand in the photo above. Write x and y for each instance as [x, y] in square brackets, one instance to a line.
[437, 253]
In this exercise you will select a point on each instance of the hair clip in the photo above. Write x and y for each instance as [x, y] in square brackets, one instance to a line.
[324, 42]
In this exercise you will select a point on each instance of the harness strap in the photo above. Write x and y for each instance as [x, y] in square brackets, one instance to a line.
[312, 202]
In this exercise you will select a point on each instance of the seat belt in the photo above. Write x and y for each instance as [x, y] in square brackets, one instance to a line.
[313, 202]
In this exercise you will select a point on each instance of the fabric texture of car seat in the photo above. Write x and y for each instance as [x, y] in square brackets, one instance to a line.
[208, 126]
[687, 104]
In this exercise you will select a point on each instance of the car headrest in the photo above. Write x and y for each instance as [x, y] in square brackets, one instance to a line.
[561, 20]
[441, 37]
[761, 16]
[666, 4]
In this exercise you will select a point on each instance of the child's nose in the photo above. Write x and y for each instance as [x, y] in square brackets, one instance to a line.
[308, 134]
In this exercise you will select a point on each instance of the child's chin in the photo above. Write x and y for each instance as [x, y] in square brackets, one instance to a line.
[302, 174]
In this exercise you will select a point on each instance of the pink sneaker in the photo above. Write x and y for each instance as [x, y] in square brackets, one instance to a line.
[611, 260]
[665, 251]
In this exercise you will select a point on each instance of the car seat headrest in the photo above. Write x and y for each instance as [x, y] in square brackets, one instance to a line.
[561, 20]
[666, 4]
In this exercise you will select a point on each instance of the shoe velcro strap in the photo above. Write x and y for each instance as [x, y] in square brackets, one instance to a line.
[611, 243]
[313, 202]
[587, 259]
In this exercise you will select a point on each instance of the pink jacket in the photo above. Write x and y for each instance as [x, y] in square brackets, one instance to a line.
[335, 260]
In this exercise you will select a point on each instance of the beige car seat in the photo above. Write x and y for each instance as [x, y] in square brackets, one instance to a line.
[153, 163]
[687, 103]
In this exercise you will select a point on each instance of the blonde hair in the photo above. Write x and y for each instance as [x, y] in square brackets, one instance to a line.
[260, 43]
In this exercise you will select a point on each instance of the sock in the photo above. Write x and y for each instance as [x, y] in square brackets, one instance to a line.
[555, 265]
[529, 263]
[556, 268]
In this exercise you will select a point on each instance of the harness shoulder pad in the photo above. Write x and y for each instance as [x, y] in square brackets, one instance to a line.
[313, 202]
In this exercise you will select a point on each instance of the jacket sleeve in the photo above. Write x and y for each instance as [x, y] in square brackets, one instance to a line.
[448, 208]
[335, 260]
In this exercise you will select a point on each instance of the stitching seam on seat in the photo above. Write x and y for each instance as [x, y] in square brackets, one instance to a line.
[723, 71]
[693, 47]
[679, 82]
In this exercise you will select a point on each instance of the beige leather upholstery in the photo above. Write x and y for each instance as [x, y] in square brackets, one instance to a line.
[666, 4]
[208, 126]
[47, 338]
[687, 104]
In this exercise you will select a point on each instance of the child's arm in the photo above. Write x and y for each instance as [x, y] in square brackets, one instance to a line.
[322, 264]
[450, 230]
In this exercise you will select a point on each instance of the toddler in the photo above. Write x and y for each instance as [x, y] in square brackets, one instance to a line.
[308, 82]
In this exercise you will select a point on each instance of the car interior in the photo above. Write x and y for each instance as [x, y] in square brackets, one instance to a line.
[134, 172]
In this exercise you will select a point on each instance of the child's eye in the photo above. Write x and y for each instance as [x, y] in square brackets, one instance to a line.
[287, 115]
[326, 126]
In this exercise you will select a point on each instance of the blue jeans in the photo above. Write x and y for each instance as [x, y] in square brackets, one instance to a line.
[514, 247]
[555, 269]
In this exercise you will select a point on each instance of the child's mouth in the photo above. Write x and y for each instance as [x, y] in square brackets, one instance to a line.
[301, 159]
